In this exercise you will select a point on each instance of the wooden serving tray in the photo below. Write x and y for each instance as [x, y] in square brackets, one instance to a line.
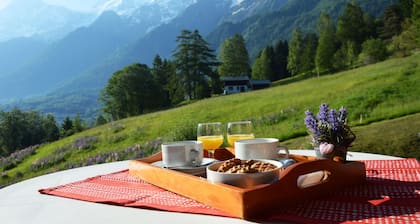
[250, 203]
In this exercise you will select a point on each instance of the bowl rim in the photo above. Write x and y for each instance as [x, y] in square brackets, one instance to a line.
[213, 168]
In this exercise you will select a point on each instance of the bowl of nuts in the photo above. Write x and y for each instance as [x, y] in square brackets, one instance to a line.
[244, 173]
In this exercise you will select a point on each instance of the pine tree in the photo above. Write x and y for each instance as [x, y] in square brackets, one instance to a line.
[281, 51]
[310, 43]
[326, 44]
[392, 23]
[194, 62]
[262, 67]
[234, 57]
[351, 26]
[294, 61]
[161, 71]
[51, 130]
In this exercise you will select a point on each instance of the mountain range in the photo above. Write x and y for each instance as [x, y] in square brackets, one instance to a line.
[65, 76]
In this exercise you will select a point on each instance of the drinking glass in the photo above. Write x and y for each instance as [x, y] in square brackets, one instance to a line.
[239, 130]
[211, 135]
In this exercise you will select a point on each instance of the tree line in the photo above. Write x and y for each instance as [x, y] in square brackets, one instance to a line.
[356, 39]
[195, 70]
[20, 129]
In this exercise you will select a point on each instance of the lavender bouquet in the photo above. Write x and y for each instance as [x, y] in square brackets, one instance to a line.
[329, 131]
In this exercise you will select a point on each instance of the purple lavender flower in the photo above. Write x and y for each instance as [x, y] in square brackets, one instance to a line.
[333, 120]
[329, 126]
[311, 122]
[323, 113]
[342, 115]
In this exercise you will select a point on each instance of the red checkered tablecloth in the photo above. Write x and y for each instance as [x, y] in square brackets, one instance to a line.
[391, 194]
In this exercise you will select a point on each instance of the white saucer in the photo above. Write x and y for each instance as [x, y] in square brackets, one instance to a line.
[193, 170]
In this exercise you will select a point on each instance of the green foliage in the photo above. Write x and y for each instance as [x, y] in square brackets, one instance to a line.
[310, 44]
[392, 22]
[19, 129]
[194, 62]
[281, 51]
[67, 127]
[345, 57]
[162, 72]
[294, 60]
[262, 68]
[51, 130]
[326, 44]
[373, 50]
[234, 57]
[131, 91]
[351, 26]
[100, 120]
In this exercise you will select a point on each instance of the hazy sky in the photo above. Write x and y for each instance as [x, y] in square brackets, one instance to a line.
[3, 3]
[80, 5]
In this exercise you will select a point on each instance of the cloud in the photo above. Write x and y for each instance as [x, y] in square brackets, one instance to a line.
[4, 3]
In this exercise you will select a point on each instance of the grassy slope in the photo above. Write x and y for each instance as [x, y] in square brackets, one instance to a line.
[373, 93]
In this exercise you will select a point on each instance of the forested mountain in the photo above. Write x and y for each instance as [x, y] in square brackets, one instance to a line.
[248, 8]
[113, 44]
[265, 29]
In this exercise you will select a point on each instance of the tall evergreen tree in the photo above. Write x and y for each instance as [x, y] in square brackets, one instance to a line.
[351, 26]
[100, 120]
[326, 44]
[294, 61]
[67, 127]
[194, 62]
[310, 43]
[281, 51]
[373, 50]
[51, 130]
[392, 22]
[161, 71]
[78, 124]
[234, 57]
[262, 67]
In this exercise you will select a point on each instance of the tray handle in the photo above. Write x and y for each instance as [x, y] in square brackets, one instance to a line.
[313, 174]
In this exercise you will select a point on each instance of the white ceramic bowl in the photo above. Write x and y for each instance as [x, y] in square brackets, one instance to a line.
[244, 180]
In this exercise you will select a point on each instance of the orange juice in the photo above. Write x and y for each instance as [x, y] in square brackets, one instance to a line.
[233, 138]
[211, 142]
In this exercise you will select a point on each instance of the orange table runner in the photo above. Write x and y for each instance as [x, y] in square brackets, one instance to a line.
[391, 194]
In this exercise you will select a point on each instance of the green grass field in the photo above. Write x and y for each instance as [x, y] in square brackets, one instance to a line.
[382, 101]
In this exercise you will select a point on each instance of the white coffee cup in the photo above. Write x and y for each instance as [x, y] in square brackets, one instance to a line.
[182, 153]
[259, 148]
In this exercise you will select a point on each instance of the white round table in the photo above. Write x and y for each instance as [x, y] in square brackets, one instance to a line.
[21, 202]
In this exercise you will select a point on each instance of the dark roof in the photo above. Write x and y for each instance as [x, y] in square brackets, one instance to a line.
[260, 82]
[234, 78]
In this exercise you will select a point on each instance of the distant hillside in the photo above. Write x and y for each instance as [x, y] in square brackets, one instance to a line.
[17, 52]
[68, 57]
[374, 96]
[267, 28]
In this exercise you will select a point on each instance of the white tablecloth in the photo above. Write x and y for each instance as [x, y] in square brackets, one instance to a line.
[21, 202]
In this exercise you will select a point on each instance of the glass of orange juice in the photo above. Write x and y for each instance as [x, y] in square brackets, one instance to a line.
[211, 135]
[239, 130]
